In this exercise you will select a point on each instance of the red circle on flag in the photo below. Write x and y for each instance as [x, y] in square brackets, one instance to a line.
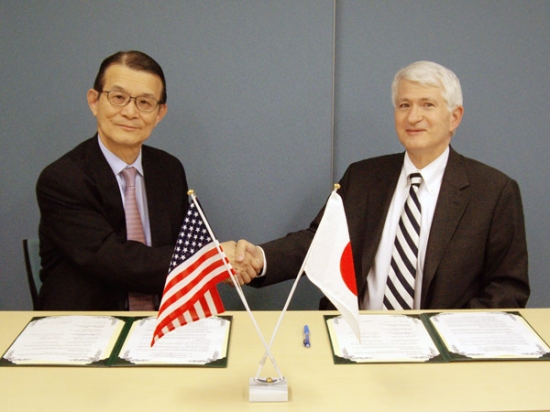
[347, 270]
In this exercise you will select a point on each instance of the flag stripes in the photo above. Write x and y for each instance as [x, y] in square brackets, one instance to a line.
[190, 285]
[207, 305]
[192, 276]
[198, 265]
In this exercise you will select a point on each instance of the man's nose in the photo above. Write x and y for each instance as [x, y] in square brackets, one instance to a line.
[130, 109]
[415, 114]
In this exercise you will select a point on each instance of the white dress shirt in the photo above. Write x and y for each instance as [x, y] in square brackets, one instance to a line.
[428, 192]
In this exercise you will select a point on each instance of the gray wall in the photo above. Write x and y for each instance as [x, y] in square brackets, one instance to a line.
[250, 94]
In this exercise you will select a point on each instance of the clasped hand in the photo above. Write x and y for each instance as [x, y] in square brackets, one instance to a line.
[246, 258]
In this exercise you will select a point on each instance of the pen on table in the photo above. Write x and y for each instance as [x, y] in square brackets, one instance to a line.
[307, 344]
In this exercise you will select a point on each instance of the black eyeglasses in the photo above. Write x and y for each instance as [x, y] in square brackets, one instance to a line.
[120, 99]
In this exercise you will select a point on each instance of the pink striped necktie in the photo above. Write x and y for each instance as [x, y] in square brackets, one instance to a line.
[134, 231]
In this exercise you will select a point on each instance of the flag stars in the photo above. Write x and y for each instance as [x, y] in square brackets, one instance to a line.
[192, 237]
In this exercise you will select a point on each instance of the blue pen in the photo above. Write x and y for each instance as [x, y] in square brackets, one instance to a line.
[307, 344]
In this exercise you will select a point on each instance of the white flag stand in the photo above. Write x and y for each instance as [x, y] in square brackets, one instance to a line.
[260, 390]
[268, 390]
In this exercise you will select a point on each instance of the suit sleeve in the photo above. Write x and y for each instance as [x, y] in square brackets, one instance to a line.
[285, 255]
[505, 281]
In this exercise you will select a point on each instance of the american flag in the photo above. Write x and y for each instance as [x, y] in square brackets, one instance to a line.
[196, 267]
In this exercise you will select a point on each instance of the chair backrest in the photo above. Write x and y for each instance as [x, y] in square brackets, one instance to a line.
[32, 264]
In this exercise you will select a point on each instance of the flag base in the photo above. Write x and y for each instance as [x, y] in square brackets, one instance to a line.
[268, 390]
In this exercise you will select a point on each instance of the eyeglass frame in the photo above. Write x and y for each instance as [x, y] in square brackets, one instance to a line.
[158, 103]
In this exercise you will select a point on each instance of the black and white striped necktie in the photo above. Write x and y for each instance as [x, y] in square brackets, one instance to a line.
[399, 292]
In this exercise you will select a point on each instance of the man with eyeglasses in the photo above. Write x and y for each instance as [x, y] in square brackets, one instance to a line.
[90, 258]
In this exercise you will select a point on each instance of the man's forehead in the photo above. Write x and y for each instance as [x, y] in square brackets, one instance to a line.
[121, 72]
[408, 88]
[124, 77]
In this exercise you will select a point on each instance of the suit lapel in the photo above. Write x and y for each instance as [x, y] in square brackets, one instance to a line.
[104, 182]
[378, 203]
[451, 204]
[158, 191]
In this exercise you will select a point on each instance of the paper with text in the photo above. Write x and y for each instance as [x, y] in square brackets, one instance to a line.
[198, 343]
[384, 338]
[489, 335]
[70, 340]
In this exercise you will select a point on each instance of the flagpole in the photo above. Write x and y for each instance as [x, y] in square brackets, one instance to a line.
[291, 294]
[237, 286]
[287, 303]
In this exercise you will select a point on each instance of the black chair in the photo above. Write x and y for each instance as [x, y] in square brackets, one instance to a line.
[32, 263]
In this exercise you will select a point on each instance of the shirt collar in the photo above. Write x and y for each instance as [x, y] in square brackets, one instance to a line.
[116, 163]
[432, 174]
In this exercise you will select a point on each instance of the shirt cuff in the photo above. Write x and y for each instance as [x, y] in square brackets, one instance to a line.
[264, 269]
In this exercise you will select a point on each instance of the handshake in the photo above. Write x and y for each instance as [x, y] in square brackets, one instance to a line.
[246, 258]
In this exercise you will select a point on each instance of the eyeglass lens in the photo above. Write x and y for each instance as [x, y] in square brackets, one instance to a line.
[121, 99]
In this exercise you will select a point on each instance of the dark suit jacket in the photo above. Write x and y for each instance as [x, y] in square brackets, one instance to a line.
[476, 254]
[87, 263]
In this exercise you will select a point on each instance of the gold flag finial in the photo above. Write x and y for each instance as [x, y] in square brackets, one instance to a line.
[190, 192]
[336, 186]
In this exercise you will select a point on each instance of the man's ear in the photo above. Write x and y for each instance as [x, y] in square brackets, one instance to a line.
[163, 109]
[456, 117]
[93, 97]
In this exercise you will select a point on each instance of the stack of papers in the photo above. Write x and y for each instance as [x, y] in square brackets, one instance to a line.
[436, 337]
[118, 341]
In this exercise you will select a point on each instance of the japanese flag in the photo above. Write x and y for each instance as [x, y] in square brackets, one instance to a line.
[329, 262]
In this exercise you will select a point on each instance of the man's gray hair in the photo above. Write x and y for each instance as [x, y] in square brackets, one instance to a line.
[429, 73]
